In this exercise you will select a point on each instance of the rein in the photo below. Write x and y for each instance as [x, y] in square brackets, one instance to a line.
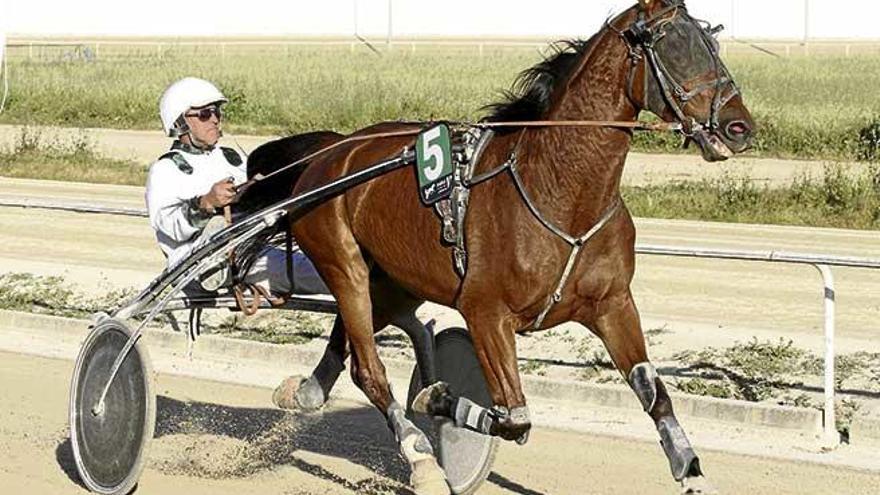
[613, 124]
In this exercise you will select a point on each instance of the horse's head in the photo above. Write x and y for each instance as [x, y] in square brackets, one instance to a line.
[684, 78]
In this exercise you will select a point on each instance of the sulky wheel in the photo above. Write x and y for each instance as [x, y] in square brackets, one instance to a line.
[109, 442]
[465, 456]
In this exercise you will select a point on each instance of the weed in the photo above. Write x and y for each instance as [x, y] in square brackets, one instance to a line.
[755, 369]
[869, 142]
[52, 295]
[533, 367]
[280, 327]
[701, 386]
[845, 411]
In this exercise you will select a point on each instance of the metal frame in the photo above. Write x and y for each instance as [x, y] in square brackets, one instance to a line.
[158, 295]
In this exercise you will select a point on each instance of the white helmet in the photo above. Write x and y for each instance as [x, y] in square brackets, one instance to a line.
[189, 92]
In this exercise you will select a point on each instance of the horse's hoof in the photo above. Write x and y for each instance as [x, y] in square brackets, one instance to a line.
[427, 478]
[697, 485]
[296, 393]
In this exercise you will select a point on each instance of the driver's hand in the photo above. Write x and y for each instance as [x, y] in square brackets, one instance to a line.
[221, 194]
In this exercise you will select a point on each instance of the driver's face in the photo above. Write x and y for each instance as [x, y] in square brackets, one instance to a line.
[204, 124]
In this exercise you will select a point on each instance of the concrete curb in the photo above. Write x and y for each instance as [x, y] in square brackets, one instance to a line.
[864, 430]
[809, 421]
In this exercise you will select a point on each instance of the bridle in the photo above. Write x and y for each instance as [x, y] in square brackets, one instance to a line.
[641, 39]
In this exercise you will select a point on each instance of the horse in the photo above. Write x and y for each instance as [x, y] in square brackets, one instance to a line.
[529, 269]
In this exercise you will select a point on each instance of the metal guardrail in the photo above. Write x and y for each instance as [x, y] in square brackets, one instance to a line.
[822, 263]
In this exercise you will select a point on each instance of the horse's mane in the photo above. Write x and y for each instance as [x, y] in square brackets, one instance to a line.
[532, 91]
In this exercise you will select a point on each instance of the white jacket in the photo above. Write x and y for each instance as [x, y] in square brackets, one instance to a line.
[173, 185]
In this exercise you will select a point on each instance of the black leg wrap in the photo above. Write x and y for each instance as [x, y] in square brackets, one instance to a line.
[422, 338]
[328, 370]
[651, 392]
[643, 380]
[314, 390]
[682, 459]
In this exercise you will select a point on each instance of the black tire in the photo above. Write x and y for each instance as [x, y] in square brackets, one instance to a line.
[109, 447]
[466, 456]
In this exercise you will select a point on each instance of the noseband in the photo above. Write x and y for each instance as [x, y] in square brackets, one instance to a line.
[641, 38]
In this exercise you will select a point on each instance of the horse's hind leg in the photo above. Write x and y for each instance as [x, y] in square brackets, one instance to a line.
[310, 394]
[391, 305]
[618, 325]
[347, 274]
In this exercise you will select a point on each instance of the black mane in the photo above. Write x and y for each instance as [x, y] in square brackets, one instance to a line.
[530, 95]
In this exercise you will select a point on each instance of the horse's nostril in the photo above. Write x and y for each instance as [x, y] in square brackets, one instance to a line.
[737, 129]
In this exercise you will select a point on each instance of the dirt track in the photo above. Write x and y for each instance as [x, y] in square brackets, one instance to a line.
[706, 301]
[220, 439]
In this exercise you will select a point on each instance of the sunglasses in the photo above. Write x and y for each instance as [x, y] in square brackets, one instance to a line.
[204, 114]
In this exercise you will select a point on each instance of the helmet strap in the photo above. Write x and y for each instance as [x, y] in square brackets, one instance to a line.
[180, 127]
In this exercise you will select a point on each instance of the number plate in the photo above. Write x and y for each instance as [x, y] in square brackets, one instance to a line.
[434, 164]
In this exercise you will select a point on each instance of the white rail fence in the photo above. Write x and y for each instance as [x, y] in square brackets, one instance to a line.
[822, 263]
[50, 50]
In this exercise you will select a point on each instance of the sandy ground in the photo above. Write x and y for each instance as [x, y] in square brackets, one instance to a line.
[641, 169]
[218, 438]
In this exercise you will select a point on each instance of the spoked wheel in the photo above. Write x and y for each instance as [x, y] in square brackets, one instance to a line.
[466, 456]
[109, 441]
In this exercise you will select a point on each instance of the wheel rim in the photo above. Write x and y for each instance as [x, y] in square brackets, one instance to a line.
[108, 446]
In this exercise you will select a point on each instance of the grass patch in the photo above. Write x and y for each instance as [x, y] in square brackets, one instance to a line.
[55, 296]
[33, 157]
[752, 371]
[808, 107]
[836, 199]
[274, 327]
[533, 367]
[762, 370]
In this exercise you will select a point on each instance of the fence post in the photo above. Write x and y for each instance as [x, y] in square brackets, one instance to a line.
[830, 437]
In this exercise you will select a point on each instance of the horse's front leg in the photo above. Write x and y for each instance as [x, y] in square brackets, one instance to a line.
[617, 324]
[494, 339]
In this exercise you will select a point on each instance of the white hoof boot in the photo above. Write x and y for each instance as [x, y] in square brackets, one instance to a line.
[697, 485]
[427, 478]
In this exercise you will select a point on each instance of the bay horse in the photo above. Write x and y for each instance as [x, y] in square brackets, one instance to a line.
[378, 251]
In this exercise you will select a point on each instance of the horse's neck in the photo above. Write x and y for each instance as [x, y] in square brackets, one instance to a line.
[581, 168]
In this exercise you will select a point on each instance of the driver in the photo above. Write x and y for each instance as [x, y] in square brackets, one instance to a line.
[189, 186]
